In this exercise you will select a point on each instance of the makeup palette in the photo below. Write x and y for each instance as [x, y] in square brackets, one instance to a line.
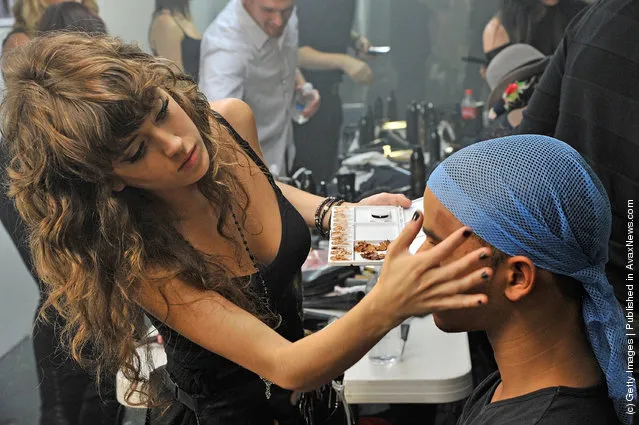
[360, 235]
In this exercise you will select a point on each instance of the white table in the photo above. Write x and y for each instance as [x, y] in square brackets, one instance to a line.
[435, 368]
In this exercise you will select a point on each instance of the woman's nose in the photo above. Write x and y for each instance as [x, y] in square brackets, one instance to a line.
[172, 145]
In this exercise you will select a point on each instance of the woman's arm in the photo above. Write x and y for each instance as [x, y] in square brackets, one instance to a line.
[166, 38]
[409, 285]
[240, 116]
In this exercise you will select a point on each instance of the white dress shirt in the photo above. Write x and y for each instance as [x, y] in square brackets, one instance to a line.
[239, 60]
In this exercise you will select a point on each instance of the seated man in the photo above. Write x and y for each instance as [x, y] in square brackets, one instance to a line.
[552, 319]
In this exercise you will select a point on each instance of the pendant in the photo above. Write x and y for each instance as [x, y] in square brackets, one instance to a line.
[267, 392]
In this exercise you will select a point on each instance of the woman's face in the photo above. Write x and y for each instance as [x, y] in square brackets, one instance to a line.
[167, 153]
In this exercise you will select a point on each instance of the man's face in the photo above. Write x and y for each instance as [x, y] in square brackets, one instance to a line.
[271, 15]
[438, 224]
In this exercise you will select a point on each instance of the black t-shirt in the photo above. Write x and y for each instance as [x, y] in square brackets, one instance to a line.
[548, 406]
[546, 34]
[325, 25]
[589, 98]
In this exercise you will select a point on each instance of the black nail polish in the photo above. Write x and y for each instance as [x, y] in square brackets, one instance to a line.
[467, 233]
[484, 275]
[483, 256]
[416, 216]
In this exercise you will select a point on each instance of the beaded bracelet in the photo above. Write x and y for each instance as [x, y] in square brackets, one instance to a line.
[325, 210]
[318, 213]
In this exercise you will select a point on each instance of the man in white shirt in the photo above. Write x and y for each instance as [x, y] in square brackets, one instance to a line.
[250, 52]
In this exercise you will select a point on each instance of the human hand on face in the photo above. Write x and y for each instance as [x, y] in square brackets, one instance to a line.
[416, 285]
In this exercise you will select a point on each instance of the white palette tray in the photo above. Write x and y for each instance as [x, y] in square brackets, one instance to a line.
[360, 235]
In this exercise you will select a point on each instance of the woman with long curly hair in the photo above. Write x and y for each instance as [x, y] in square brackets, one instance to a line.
[141, 198]
[27, 14]
[174, 36]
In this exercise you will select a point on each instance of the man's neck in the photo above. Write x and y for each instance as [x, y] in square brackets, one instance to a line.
[535, 354]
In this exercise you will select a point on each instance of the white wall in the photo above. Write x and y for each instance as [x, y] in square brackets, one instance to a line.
[19, 297]
[128, 19]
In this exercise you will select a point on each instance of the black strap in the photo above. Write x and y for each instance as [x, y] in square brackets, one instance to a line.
[246, 147]
[258, 161]
[179, 394]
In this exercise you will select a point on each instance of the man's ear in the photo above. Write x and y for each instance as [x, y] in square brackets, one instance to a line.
[520, 277]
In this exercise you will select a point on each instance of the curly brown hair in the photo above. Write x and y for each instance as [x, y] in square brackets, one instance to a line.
[71, 102]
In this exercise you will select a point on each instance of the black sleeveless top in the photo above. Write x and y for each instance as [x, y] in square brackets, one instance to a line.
[228, 394]
[190, 48]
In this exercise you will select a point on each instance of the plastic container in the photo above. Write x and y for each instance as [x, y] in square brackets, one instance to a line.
[303, 98]
[469, 106]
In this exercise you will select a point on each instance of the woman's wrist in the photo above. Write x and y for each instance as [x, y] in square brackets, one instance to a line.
[326, 223]
[376, 308]
[323, 213]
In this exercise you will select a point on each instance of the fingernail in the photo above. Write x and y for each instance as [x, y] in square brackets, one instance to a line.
[416, 216]
[483, 256]
[484, 275]
[467, 233]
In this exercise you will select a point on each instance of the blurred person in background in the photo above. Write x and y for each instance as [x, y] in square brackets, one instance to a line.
[71, 16]
[250, 53]
[540, 23]
[27, 14]
[174, 36]
[5, 8]
[410, 41]
[588, 97]
[512, 77]
[325, 35]
[68, 394]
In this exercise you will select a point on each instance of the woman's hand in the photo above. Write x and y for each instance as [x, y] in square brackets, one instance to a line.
[386, 199]
[415, 285]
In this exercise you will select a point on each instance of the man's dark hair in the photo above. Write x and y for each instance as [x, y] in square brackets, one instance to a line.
[569, 287]
[71, 16]
[180, 6]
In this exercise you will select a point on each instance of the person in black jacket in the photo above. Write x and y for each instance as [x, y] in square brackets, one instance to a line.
[540, 23]
[588, 98]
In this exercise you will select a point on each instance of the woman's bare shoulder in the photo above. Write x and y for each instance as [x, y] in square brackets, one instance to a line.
[495, 35]
[240, 116]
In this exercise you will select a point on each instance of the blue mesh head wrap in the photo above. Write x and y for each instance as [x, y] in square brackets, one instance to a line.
[536, 196]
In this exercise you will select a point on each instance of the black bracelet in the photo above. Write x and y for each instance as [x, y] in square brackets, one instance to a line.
[319, 215]
[325, 210]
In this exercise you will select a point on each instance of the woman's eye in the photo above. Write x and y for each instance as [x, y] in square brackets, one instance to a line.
[139, 153]
[163, 111]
